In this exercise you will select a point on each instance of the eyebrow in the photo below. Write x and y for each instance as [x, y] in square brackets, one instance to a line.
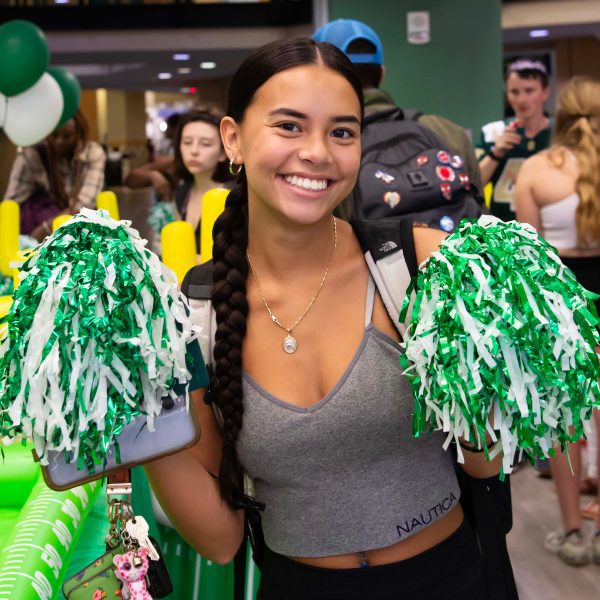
[290, 112]
[190, 136]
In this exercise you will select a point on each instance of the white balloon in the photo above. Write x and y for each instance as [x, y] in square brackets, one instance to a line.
[33, 114]
[2, 109]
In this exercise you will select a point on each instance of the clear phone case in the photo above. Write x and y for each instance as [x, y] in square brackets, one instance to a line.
[175, 428]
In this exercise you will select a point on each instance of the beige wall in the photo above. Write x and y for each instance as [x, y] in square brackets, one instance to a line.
[125, 119]
[89, 107]
[577, 56]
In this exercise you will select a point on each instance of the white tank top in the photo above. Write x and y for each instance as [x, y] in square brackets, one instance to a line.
[558, 222]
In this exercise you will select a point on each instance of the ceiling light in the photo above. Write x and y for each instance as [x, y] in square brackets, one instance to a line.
[181, 56]
[165, 75]
[184, 70]
[539, 33]
[99, 70]
[208, 65]
[162, 126]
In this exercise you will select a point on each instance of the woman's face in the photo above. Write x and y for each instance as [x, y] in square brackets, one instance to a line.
[64, 140]
[300, 143]
[200, 147]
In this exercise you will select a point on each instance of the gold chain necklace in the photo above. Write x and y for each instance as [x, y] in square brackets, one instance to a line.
[290, 344]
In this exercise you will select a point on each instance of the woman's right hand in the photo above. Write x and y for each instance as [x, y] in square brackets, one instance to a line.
[160, 184]
[154, 174]
[506, 142]
[186, 487]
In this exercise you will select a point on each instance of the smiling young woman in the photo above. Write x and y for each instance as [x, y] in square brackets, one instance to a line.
[355, 506]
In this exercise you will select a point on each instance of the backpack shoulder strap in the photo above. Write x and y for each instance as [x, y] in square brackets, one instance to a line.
[389, 114]
[389, 248]
[197, 287]
[394, 114]
[412, 115]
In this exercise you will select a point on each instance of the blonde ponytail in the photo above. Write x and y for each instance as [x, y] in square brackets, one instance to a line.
[578, 128]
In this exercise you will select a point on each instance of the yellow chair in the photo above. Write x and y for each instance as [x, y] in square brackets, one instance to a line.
[179, 247]
[488, 190]
[213, 204]
[108, 202]
[60, 220]
[9, 234]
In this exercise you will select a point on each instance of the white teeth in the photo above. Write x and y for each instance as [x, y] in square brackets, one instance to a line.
[307, 184]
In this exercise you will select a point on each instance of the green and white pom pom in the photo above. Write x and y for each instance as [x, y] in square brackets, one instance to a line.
[97, 334]
[26, 242]
[161, 214]
[501, 330]
[6, 285]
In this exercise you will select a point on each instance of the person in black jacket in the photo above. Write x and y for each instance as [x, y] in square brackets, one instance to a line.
[364, 48]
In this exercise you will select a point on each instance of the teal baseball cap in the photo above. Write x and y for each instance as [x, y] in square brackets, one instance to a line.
[342, 32]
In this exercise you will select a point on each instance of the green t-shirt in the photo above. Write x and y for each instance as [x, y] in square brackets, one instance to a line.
[505, 175]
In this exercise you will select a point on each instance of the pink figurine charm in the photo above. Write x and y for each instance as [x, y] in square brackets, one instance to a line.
[133, 578]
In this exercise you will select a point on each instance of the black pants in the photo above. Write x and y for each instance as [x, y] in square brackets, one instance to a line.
[587, 271]
[452, 570]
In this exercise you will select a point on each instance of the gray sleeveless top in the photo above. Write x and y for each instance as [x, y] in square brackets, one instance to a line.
[345, 474]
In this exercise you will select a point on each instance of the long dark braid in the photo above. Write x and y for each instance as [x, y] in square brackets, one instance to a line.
[230, 240]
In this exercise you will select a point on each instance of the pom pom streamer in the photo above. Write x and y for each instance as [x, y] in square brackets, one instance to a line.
[97, 334]
[161, 214]
[6, 285]
[501, 339]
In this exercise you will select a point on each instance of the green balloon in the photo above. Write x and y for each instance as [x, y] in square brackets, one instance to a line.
[71, 91]
[23, 56]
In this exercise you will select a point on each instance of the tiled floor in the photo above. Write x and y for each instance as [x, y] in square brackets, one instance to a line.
[539, 574]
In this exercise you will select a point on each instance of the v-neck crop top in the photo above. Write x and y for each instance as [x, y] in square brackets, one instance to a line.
[345, 474]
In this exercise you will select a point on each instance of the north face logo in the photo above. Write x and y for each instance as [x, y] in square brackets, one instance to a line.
[388, 247]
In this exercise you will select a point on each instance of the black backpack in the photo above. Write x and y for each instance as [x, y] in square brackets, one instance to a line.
[406, 171]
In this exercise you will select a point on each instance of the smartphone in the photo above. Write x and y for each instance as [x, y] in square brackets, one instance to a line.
[175, 428]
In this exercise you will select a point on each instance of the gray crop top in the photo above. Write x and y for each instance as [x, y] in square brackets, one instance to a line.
[345, 475]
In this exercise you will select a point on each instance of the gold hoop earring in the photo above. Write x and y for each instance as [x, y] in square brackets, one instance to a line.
[234, 169]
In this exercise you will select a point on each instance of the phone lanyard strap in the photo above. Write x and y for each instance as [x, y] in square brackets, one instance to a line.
[118, 495]
[119, 484]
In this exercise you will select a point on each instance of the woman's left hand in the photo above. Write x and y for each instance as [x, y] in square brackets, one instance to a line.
[42, 231]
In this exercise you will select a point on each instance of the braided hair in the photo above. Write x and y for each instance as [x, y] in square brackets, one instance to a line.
[230, 241]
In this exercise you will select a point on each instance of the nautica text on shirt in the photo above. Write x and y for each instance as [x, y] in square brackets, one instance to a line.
[425, 518]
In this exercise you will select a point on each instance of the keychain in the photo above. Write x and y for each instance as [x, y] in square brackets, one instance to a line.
[133, 567]
[159, 581]
[131, 571]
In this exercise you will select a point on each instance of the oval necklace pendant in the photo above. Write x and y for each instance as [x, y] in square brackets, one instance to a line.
[290, 344]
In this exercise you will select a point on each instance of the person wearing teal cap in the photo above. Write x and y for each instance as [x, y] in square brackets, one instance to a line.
[364, 48]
